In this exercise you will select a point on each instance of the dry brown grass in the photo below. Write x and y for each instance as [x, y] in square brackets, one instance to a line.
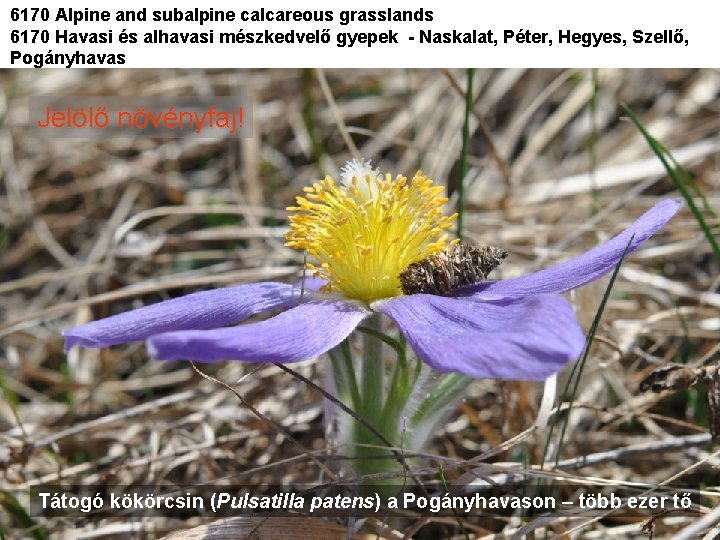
[90, 228]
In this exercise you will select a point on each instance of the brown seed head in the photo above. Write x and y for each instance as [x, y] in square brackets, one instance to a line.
[456, 266]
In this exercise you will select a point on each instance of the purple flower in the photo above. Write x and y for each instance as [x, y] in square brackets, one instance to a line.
[513, 329]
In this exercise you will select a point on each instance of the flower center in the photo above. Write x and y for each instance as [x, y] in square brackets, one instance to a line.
[365, 232]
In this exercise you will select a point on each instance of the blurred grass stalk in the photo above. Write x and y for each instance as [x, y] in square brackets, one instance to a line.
[464, 152]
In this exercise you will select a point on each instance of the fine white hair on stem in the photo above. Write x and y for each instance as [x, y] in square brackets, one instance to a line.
[546, 404]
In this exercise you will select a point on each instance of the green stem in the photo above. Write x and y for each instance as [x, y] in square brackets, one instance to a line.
[372, 371]
[369, 457]
[399, 388]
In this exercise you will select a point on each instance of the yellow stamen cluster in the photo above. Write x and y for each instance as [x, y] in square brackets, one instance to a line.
[365, 233]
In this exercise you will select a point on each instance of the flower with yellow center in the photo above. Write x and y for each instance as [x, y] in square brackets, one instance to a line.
[366, 231]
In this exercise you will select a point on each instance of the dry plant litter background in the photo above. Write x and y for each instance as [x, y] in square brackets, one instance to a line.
[91, 228]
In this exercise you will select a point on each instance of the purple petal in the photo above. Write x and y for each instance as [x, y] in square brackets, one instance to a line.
[297, 334]
[530, 338]
[207, 309]
[582, 269]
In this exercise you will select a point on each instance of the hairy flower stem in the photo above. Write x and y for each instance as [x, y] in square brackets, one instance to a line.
[372, 404]
[399, 397]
